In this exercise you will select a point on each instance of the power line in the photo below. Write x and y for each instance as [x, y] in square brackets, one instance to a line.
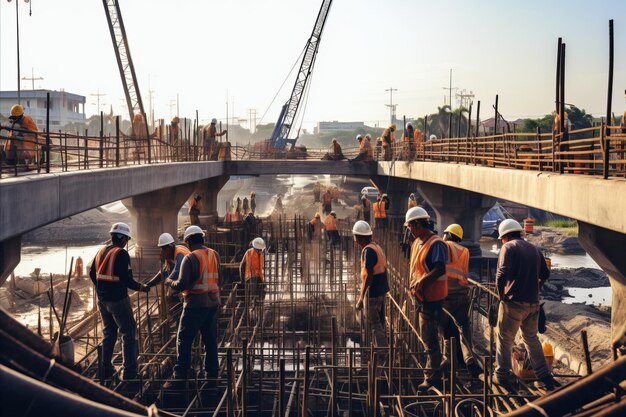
[392, 107]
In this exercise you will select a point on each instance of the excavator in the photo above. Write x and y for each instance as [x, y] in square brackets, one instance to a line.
[280, 145]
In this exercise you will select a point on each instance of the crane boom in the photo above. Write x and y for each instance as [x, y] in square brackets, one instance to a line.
[124, 60]
[290, 109]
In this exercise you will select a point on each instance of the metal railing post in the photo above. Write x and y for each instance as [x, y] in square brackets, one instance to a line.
[48, 132]
[117, 141]
[101, 139]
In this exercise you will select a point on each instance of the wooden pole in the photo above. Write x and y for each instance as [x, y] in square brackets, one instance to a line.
[609, 99]
[562, 106]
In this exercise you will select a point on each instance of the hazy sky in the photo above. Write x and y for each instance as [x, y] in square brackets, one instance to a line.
[202, 49]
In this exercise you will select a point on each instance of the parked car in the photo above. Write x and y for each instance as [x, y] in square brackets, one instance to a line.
[370, 192]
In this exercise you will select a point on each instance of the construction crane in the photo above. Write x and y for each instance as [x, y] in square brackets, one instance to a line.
[124, 60]
[284, 125]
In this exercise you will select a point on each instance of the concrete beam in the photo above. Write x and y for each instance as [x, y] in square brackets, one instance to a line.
[589, 199]
[275, 167]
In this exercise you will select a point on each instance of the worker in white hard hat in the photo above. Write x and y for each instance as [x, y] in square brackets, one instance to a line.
[522, 270]
[198, 280]
[209, 148]
[412, 201]
[330, 226]
[112, 275]
[380, 213]
[388, 140]
[429, 285]
[374, 284]
[251, 271]
[195, 205]
[171, 256]
[22, 141]
[457, 303]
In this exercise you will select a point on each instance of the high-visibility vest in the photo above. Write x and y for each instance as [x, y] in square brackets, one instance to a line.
[180, 249]
[458, 265]
[412, 203]
[381, 264]
[207, 281]
[28, 145]
[330, 223]
[254, 264]
[366, 146]
[437, 290]
[379, 210]
[418, 137]
[228, 218]
[105, 264]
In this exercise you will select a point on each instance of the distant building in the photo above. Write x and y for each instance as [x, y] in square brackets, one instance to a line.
[335, 126]
[64, 107]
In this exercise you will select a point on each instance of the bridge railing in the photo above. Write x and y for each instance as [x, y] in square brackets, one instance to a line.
[599, 151]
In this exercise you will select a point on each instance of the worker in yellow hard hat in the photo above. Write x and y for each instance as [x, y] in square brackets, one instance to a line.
[174, 130]
[22, 143]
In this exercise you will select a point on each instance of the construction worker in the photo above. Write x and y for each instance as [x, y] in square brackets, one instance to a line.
[238, 208]
[521, 271]
[171, 256]
[278, 206]
[209, 148]
[330, 225]
[429, 285]
[367, 208]
[317, 190]
[198, 281]
[412, 201]
[195, 205]
[388, 140]
[245, 206]
[174, 130]
[380, 213]
[327, 202]
[112, 275]
[457, 302]
[78, 268]
[251, 272]
[374, 285]
[253, 202]
[21, 147]
[408, 141]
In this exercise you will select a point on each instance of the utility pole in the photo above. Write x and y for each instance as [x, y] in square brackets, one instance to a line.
[450, 88]
[465, 99]
[32, 77]
[252, 120]
[98, 95]
[172, 104]
[392, 107]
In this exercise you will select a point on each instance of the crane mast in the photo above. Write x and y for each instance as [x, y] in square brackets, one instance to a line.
[289, 110]
[124, 60]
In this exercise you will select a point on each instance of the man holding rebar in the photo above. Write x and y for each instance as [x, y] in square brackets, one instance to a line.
[171, 256]
[198, 281]
[374, 284]
[429, 285]
[522, 269]
[457, 303]
[112, 275]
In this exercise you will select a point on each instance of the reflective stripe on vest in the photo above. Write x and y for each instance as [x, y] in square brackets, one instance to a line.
[208, 280]
[381, 263]
[437, 290]
[458, 264]
[254, 264]
[105, 264]
[379, 210]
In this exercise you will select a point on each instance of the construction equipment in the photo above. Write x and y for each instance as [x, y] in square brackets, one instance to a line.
[280, 135]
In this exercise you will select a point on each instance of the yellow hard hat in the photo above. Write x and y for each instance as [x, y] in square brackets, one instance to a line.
[455, 230]
[17, 110]
[566, 114]
[548, 351]
[175, 120]
[317, 215]
[392, 126]
[138, 118]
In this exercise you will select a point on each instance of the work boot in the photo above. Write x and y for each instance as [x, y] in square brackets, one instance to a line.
[549, 382]
[129, 374]
[505, 383]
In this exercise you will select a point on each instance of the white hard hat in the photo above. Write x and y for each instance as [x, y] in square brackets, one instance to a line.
[368, 136]
[121, 228]
[258, 244]
[433, 137]
[415, 213]
[213, 121]
[412, 195]
[193, 230]
[508, 226]
[359, 137]
[332, 213]
[361, 228]
[165, 239]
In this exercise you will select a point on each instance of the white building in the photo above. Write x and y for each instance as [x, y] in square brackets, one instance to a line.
[64, 107]
[335, 126]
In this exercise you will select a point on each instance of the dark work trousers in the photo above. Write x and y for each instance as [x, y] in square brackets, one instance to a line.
[192, 321]
[457, 304]
[429, 319]
[118, 315]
